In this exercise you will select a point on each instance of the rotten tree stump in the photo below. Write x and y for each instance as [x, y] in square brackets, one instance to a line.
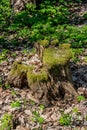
[50, 81]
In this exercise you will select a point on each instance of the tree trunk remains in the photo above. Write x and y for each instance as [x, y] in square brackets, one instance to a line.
[48, 82]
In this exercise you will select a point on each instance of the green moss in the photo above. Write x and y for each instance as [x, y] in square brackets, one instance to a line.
[44, 43]
[33, 77]
[54, 42]
[65, 46]
[55, 56]
[85, 59]
[53, 59]
[18, 68]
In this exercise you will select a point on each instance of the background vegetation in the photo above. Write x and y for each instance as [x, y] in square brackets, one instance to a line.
[49, 20]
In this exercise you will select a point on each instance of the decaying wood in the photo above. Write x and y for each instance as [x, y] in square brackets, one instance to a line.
[49, 85]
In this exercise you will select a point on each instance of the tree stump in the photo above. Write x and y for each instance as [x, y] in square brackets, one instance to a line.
[49, 80]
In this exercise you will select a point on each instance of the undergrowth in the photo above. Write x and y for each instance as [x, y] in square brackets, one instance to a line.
[51, 21]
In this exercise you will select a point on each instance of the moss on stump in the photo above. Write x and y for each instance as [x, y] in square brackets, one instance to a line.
[49, 82]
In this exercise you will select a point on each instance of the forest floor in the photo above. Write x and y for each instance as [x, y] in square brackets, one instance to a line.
[27, 113]
[24, 107]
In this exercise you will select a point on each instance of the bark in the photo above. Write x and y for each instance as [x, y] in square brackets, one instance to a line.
[50, 83]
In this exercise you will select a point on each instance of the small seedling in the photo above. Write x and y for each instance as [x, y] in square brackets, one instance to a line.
[65, 119]
[41, 107]
[16, 104]
[7, 86]
[75, 54]
[37, 117]
[80, 98]
[25, 101]
[3, 55]
[25, 51]
[32, 102]
[13, 54]
[75, 110]
[13, 93]
[75, 59]
[6, 122]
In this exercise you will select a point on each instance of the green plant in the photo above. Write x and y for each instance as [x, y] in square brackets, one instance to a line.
[75, 110]
[80, 98]
[5, 13]
[49, 21]
[41, 107]
[3, 55]
[75, 54]
[65, 119]
[16, 104]
[32, 102]
[85, 15]
[7, 86]
[13, 54]
[24, 33]
[6, 122]
[25, 101]
[13, 92]
[25, 51]
[75, 59]
[37, 117]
